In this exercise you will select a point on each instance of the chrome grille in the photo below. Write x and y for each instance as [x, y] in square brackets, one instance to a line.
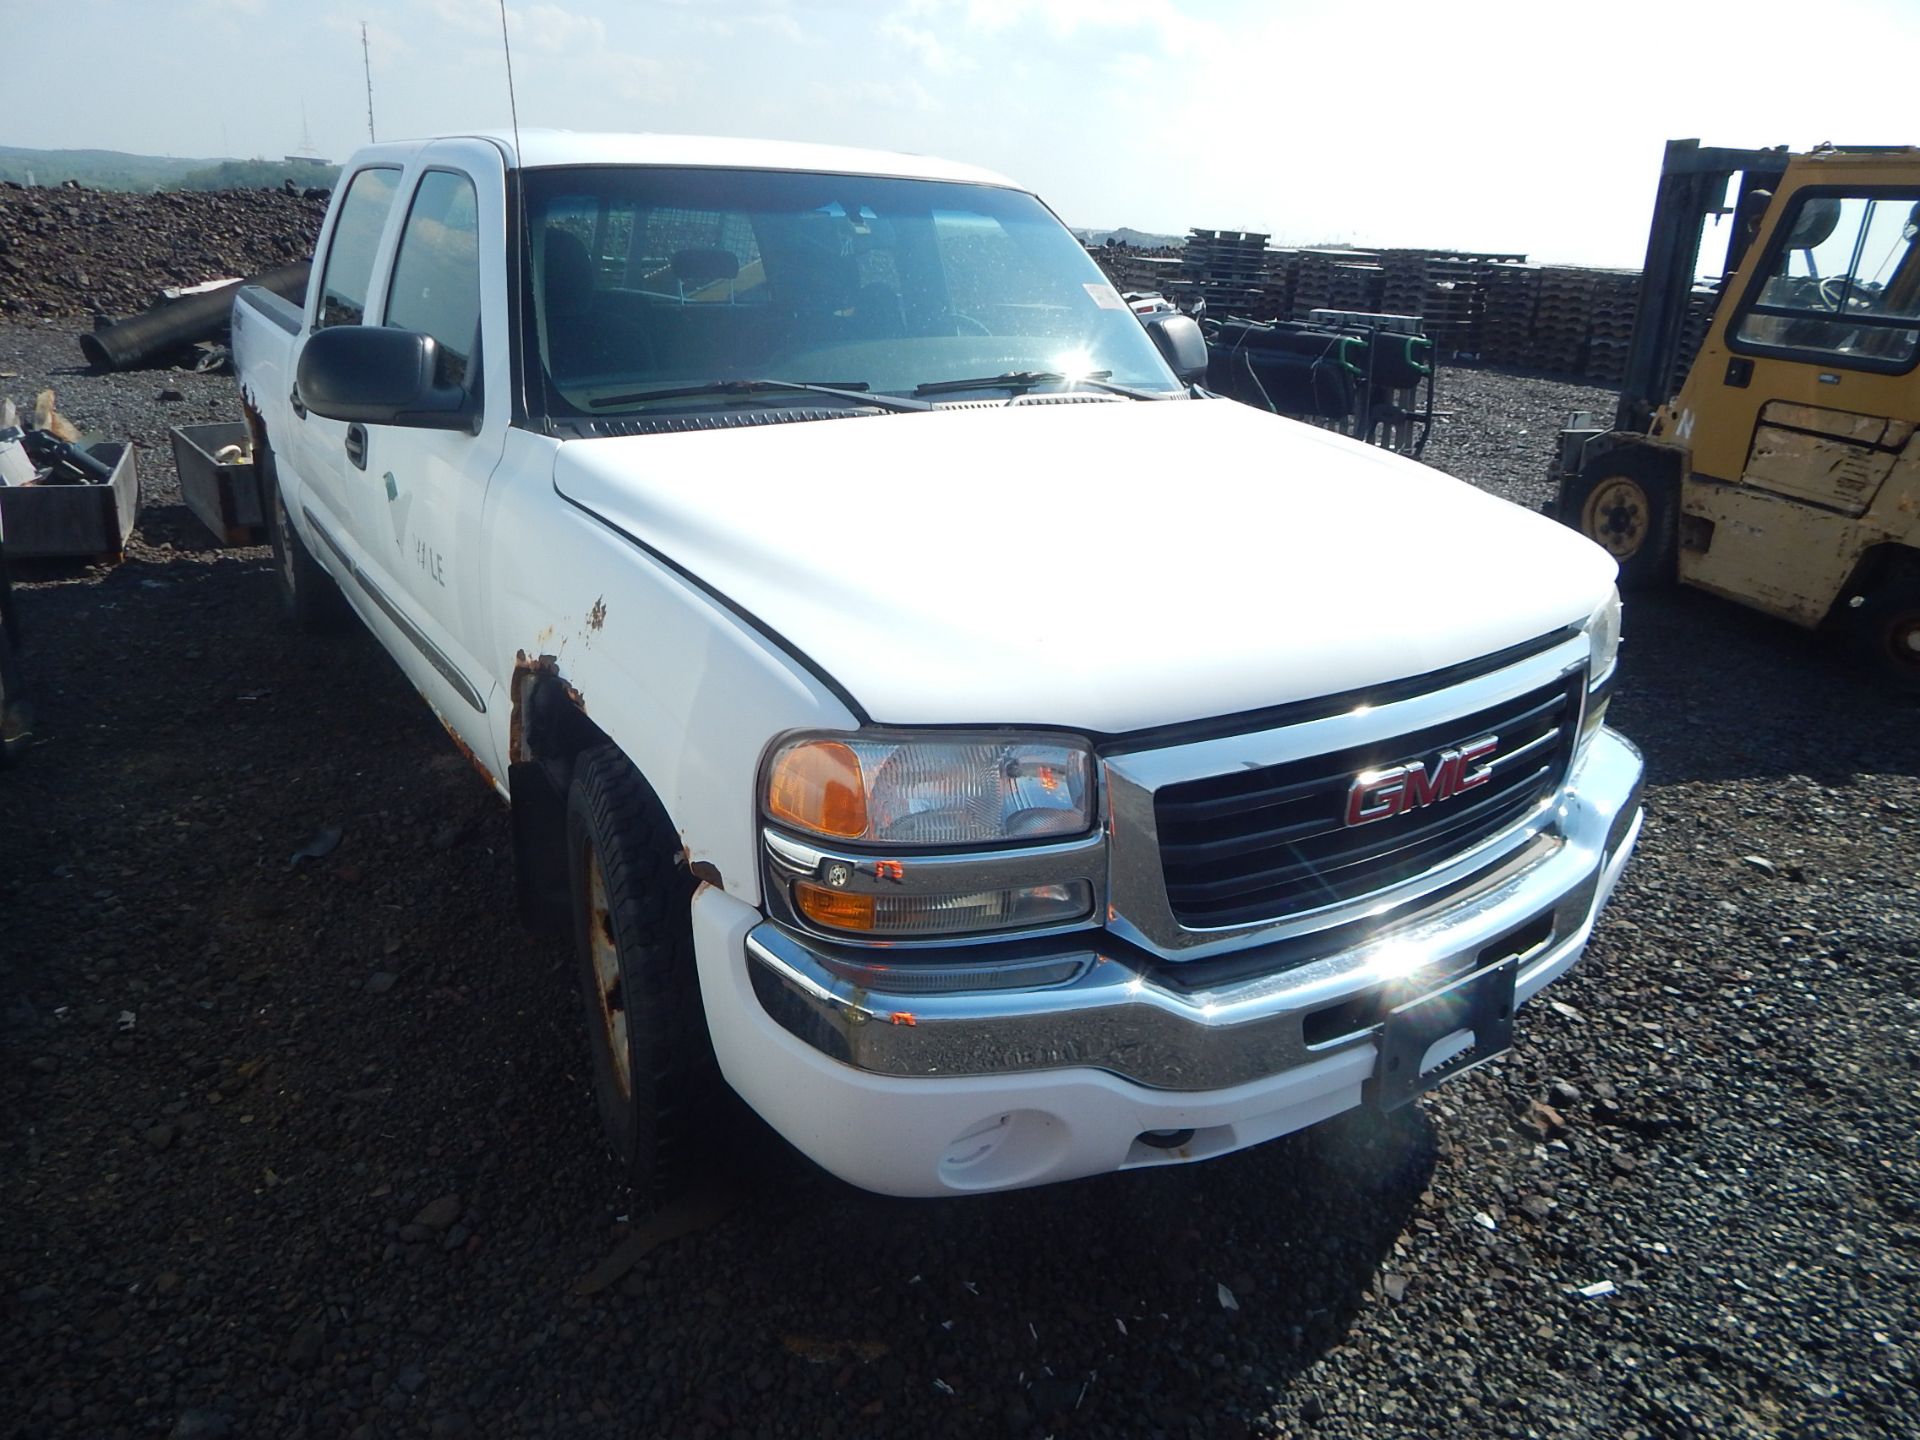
[1262, 844]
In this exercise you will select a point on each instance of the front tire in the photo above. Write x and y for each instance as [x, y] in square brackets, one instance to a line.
[313, 601]
[1885, 632]
[1628, 504]
[653, 1068]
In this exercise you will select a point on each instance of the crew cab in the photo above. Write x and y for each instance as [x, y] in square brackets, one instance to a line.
[990, 755]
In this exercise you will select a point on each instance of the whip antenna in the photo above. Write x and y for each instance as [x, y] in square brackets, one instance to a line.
[517, 191]
[366, 59]
[513, 108]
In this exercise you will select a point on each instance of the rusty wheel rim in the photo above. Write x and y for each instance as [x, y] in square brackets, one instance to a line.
[609, 998]
[1616, 516]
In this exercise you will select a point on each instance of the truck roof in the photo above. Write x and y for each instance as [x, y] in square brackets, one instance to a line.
[540, 149]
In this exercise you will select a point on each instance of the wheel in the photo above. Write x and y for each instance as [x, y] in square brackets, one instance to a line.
[16, 720]
[308, 592]
[1885, 631]
[1628, 504]
[965, 324]
[654, 1074]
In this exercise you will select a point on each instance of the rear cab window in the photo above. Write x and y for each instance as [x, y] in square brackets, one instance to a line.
[1840, 284]
[355, 244]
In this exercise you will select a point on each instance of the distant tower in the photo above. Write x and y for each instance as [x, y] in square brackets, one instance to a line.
[306, 155]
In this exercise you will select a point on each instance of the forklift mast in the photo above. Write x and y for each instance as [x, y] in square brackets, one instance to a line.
[1693, 186]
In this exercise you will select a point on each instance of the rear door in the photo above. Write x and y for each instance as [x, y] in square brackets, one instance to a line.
[341, 290]
[418, 494]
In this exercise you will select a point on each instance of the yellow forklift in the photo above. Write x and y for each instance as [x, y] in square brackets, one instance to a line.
[1783, 469]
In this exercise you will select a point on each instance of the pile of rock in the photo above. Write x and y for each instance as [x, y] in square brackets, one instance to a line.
[68, 252]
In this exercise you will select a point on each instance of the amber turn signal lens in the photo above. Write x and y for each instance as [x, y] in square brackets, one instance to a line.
[834, 908]
[816, 785]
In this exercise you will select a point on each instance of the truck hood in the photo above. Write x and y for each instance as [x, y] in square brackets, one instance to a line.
[1104, 566]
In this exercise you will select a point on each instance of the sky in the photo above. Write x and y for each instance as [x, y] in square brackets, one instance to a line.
[1470, 125]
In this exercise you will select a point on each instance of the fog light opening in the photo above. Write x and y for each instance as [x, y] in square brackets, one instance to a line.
[1164, 1139]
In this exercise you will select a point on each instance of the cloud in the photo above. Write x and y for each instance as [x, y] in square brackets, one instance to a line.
[772, 17]
[926, 47]
[1161, 22]
[556, 30]
[904, 94]
[471, 17]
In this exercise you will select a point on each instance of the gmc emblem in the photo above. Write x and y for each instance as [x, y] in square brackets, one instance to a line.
[1382, 794]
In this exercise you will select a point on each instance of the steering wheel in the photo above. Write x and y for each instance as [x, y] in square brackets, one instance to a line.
[965, 324]
[1832, 290]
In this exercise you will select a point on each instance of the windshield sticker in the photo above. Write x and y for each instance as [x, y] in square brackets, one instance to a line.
[1106, 297]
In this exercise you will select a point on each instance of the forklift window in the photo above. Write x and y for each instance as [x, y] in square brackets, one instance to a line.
[1840, 283]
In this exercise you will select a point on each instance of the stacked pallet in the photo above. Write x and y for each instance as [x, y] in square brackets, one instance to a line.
[1132, 269]
[1230, 267]
[1562, 313]
[1507, 326]
[1453, 311]
[1455, 302]
[1566, 319]
[1316, 277]
[1404, 286]
[1610, 324]
[1275, 298]
[1355, 285]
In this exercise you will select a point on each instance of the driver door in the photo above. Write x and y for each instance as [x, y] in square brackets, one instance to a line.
[418, 494]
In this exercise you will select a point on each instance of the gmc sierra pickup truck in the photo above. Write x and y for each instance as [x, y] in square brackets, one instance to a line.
[995, 758]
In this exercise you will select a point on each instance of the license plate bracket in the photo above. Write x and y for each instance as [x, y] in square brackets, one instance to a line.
[1480, 1003]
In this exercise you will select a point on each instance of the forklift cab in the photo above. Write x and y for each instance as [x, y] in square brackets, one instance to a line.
[1785, 473]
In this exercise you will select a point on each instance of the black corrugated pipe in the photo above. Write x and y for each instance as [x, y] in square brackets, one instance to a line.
[181, 322]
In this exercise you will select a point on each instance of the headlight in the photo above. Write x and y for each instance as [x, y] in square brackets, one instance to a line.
[1603, 636]
[1603, 641]
[930, 792]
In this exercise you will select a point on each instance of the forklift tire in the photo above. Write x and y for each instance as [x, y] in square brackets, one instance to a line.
[1627, 503]
[1885, 631]
[313, 601]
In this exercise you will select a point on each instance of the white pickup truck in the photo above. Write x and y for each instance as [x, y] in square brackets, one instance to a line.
[996, 758]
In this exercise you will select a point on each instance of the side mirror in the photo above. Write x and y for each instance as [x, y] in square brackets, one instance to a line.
[1181, 345]
[379, 376]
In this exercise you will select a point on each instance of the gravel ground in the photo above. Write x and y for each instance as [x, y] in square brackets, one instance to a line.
[338, 1173]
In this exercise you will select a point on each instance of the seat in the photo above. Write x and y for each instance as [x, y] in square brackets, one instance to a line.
[584, 336]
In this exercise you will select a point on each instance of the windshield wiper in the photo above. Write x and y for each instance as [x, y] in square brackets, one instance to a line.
[1030, 379]
[851, 390]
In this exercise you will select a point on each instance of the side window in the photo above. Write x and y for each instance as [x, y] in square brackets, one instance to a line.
[436, 275]
[1843, 280]
[356, 239]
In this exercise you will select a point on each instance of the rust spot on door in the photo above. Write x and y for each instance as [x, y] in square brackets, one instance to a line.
[597, 616]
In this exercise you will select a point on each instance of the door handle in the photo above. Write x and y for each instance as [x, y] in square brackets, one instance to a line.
[357, 446]
[293, 399]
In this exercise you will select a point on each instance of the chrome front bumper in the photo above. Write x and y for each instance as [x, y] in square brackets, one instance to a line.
[1095, 1002]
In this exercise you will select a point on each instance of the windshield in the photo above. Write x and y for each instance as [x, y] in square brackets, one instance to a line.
[646, 279]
